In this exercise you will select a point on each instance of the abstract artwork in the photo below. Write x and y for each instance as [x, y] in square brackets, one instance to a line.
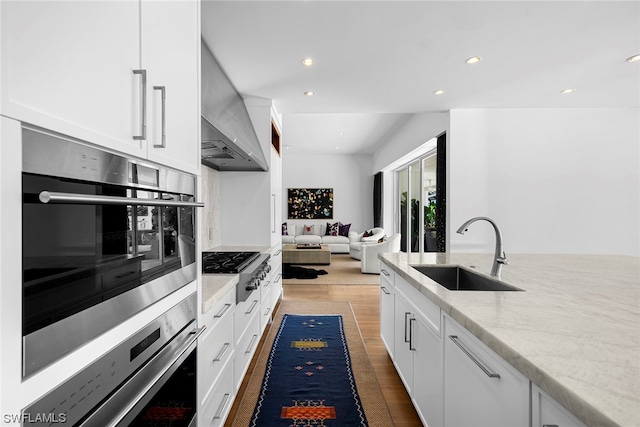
[310, 203]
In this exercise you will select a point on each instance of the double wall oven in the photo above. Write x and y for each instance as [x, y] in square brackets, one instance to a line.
[104, 237]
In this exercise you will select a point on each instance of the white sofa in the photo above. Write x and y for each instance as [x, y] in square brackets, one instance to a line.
[296, 235]
[356, 240]
[370, 262]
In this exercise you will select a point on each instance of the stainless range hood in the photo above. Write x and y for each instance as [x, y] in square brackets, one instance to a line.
[229, 140]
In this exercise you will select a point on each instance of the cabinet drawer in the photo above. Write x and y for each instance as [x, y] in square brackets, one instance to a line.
[218, 403]
[428, 309]
[245, 349]
[219, 312]
[545, 411]
[481, 388]
[214, 350]
[244, 312]
[387, 274]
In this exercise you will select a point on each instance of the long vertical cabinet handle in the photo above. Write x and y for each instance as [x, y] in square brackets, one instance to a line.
[163, 93]
[223, 404]
[411, 347]
[143, 105]
[490, 374]
[273, 221]
[405, 326]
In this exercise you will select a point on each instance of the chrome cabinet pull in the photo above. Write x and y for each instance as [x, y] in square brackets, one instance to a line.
[223, 404]
[383, 271]
[87, 199]
[222, 352]
[278, 278]
[490, 374]
[385, 290]
[267, 311]
[550, 425]
[411, 347]
[143, 105]
[163, 92]
[405, 326]
[251, 344]
[266, 285]
[222, 311]
[255, 301]
[273, 228]
[277, 253]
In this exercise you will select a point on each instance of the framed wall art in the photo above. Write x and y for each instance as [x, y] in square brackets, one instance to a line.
[310, 203]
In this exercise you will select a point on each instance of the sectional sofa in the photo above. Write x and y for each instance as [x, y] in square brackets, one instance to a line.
[298, 233]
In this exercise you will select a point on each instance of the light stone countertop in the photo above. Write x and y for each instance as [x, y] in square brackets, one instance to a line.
[215, 286]
[575, 331]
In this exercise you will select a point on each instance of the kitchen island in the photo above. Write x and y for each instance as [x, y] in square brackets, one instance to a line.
[574, 331]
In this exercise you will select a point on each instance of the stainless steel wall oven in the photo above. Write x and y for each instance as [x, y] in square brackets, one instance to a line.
[150, 379]
[104, 236]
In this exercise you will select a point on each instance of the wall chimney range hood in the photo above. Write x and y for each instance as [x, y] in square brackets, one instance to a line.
[229, 140]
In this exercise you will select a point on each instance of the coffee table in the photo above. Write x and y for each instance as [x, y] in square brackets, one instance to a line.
[292, 255]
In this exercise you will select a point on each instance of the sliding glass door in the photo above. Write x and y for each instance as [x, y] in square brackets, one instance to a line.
[421, 201]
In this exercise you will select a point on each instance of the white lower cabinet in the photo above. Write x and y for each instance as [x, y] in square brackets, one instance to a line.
[386, 310]
[418, 353]
[245, 348]
[215, 362]
[546, 412]
[219, 400]
[480, 388]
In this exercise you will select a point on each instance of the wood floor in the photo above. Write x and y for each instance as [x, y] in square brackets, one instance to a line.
[365, 300]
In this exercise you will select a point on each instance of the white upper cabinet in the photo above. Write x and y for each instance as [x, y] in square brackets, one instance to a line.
[69, 67]
[170, 52]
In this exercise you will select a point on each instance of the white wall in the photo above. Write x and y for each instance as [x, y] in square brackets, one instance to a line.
[555, 180]
[350, 177]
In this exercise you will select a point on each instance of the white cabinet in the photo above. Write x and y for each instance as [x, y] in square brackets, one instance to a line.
[386, 308]
[252, 200]
[546, 412]
[481, 389]
[170, 54]
[418, 351]
[69, 67]
[216, 348]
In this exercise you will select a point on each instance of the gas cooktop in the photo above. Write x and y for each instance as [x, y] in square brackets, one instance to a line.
[227, 262]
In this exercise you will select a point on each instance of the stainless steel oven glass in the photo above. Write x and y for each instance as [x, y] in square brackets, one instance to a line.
[104, 236]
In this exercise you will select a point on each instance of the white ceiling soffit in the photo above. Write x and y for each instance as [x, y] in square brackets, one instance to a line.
[377, 61]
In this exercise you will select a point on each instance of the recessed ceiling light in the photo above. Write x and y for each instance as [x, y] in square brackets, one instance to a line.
[568, 90]
[287, 147]
[340, 133]
[633, 58]
[308, 62]
[337, 148]
[309, 93]
[473, 60]
[439, 92]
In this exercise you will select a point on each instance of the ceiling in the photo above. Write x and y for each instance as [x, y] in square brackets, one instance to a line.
[377, 62]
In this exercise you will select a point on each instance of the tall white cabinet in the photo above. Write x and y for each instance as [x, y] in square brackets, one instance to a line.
[116, 74]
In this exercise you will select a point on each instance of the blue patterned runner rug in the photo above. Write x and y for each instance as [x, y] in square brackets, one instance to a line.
[308, 379]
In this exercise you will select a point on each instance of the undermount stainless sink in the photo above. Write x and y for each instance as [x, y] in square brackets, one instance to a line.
[459, 279]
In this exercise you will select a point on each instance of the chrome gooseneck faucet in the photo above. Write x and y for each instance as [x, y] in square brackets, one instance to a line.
[500, 257]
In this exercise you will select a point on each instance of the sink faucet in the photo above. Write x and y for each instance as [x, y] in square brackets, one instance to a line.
[500, 257]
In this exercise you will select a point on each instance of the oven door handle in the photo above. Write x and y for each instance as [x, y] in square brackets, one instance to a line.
[143, 385]
[88, 199]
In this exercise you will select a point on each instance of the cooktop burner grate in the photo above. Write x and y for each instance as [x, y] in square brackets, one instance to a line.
[227, 262]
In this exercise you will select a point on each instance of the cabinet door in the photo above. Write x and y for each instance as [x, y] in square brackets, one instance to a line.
[170, 54]
[403, 355]
[546, 412]
[428, 375]
[480, 389]
[386, 314]
[68, 67]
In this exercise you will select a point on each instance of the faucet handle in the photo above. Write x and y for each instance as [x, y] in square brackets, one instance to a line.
[502, 259]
